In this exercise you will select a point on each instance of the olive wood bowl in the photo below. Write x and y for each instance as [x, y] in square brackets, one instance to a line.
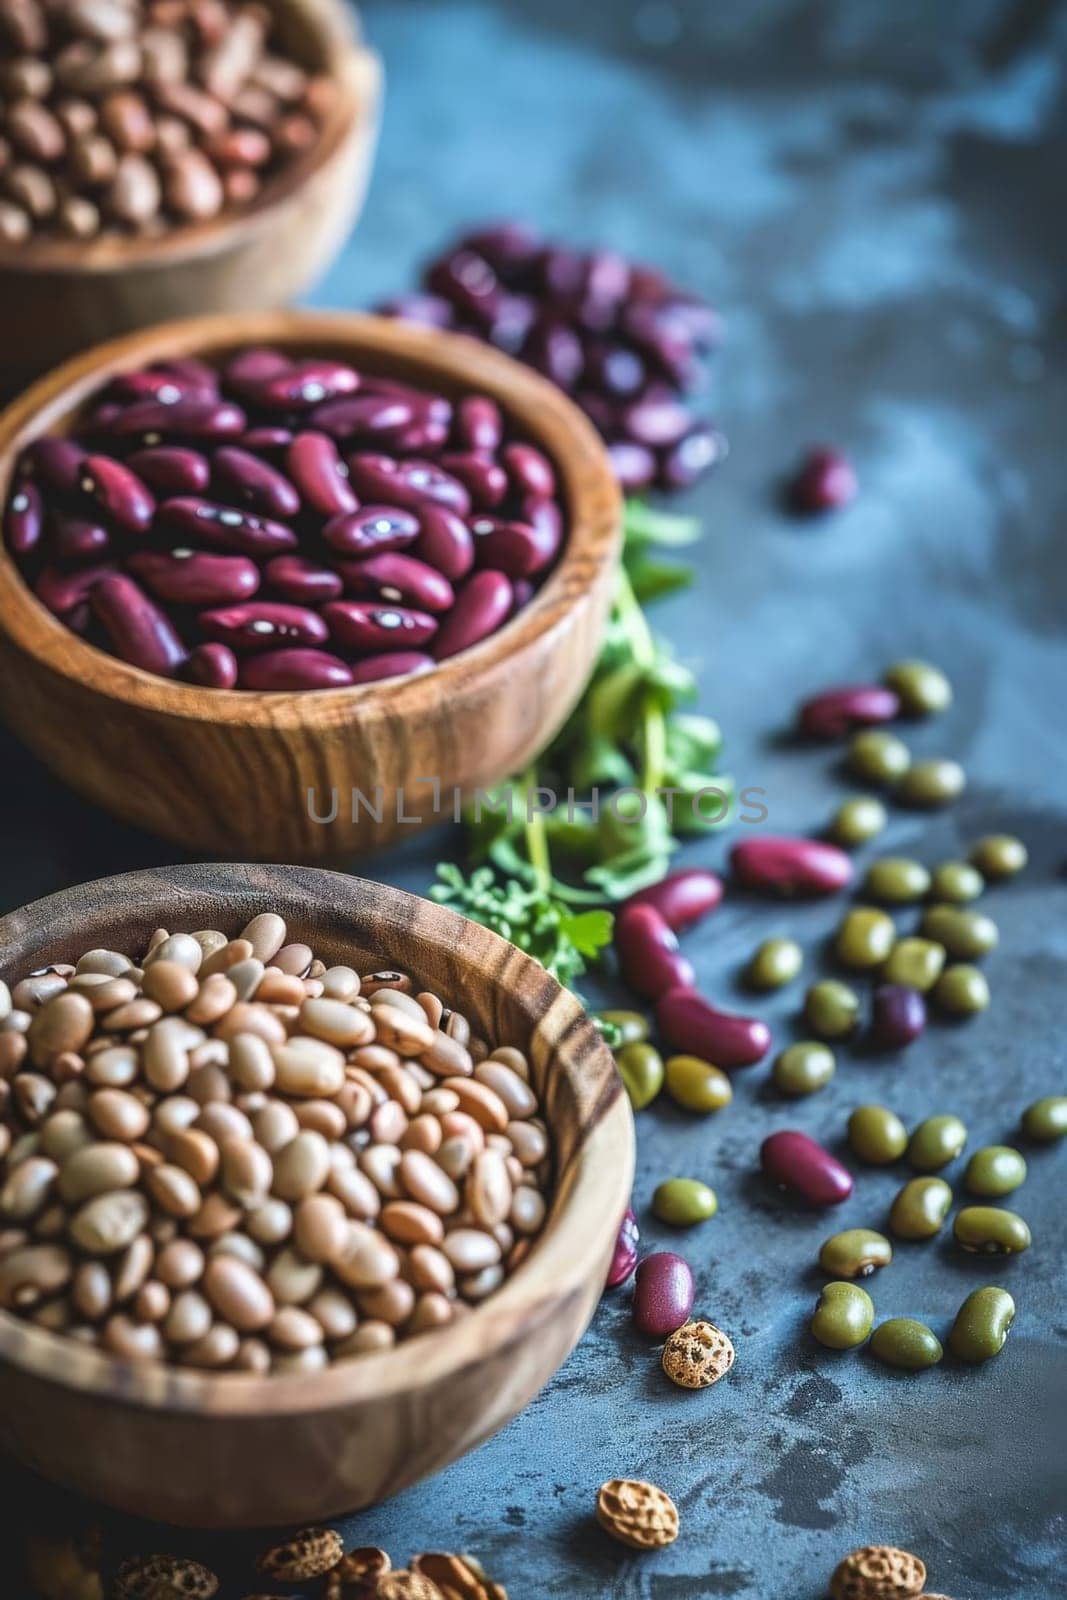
[230, 1450]
[246, 774]
[62, 295]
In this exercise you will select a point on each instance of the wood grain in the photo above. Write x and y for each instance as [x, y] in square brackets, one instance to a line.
[229, 773]
[235, 1451]
[62, 295]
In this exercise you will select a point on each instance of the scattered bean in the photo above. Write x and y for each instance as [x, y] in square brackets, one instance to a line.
[877, 1135]
[915, 963]
[935, 1142]
[903, 1342]
[920, 1208]
[641, 1069]
[855, 1253]
[991, 1230]
[962, 991]
[663, 1294]
[967, 935]
[793, 1161]
[982, 1324]
[878, 757]
[776, 963]
[994, 1170]
[857, 821]
[999, 855]
[696, 1085]
[682, 1202]
[931, 783]
[957, 882]
[865, 938]
[843, 1316]
[923, 690]
[791, 866]
[898, 1015]
[693, 1026]
[1046, 1119]
[896, 880]
[803, 1068]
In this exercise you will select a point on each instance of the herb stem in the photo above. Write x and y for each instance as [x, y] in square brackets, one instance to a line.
[536, 834]
[643, 648]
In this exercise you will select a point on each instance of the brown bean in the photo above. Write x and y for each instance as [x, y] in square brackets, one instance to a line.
[118, 1115]
[63, 1023]
[109, 1222]
[247, 1171]
[238, 1294]
[308, 1066]
[302, 1167]
[320, 1228]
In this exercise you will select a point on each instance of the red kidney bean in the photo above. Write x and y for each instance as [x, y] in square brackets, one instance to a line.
[264, 625]
[478, 425]
[424, 438]
[693, 1026]
[468, 282]
[249, 481]
[257, 439]
[55, 464]
[196, 418]
[212, 665]
[371, 530]
[791, 1160]
[118, 492]
[663, 1294]
[64, 593]
[315, 466]
[556, 351]
[294, 669]
[249, 368]
[682, 898]
[429, 310]
[835, 712]
[399, 579]
[190, 370]
[687, 461]
[24, 519]
[898, 1015]
[791, 866]
[519, 549]
[444, 541]
[77, 538]
[522, 592]
[163, 384]
[302, 581]
[195, 577]
[370, 417]
[367, 625]
[224, 526]
[406, 483]
[614, 369]
[391, 664]
[656, 421]
[649, 957]
[485, 481]
[624, 1256]
[825, 481]
[169, 469]
[529, 471]
[302, 386]
[633, 464]
[139, 632]
[482, 604]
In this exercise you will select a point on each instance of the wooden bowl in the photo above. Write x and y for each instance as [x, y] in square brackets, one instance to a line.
[230, 772]
[62, 295]
[236, 1451]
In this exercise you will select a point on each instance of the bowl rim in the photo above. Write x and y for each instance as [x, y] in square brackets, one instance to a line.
[587, 485]
[357, 71]
[567, 1250]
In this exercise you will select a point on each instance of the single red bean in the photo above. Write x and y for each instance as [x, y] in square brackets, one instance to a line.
[444, 541]
[406, 483]
[791, 866]
[195, 577]
[367, 625]
[624, 1256]
[24, 519]
[399, 579]
[260, 439]
[691, 457]
[555, 350]
[169, 469]
[191, 370]
[656, 422]
[429, 310]
[522, 592]
[485, 481]
[422, 438]
[302, 386]
[482, 604]
[163, 384]
[294, 669]
[203, 521]
[614, 368]
[392, 664]
[791, 1160]
[648, 953]
[249, 368]
[370, 417]
[693, 1026]
[118, 492]
[529, 471]
[372, 530]
[479, 425]
[138, 631]
[836, 712]
[825, 481]
[682, 898]
[63, 593]
[199, 417]
[302, 581]
[249, 481]
[212, 665]
[518, 549]
[663, 1294]
[55, 464]
[634, 465]
[315, 466]
[466, 280]
[77, 539]
[264, 625]
[898, 1015]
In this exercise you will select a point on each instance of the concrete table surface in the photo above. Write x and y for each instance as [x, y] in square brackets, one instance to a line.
[873, 196]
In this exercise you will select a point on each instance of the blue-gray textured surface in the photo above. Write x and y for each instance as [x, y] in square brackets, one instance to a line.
[873, 195]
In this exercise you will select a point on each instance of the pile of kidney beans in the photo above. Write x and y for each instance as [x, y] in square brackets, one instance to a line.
[626, 343]
[283, 524]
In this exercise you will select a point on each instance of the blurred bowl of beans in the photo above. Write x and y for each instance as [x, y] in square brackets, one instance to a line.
[288, 585]
[311, 1383]
[160, 158]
